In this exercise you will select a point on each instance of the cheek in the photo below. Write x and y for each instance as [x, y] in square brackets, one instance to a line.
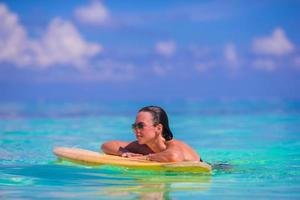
[149, 133]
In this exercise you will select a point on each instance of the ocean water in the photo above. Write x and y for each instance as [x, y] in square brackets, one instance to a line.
[260, 140]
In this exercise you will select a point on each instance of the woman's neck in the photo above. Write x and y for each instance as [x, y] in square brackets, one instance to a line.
[158, 145]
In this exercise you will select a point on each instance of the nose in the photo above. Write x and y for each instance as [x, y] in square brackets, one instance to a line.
[136, 130]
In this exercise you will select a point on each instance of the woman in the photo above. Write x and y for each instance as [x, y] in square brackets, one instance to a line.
[154, 140]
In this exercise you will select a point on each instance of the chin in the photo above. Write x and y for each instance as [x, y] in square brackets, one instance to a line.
[140, 141]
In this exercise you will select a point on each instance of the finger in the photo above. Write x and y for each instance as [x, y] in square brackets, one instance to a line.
[125, 155]
[140, 157]
[136, 155]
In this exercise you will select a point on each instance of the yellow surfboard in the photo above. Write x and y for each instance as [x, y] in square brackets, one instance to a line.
[93, 158]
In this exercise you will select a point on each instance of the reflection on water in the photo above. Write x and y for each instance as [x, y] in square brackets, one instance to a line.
[159, 185]
[155, 190]
[105, 181]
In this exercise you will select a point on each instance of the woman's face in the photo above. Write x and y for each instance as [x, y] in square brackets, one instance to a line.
[145, 131]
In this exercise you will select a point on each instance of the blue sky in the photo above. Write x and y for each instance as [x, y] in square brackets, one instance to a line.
[149, 50]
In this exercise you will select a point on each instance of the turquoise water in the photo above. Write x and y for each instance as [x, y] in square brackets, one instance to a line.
[260, 139]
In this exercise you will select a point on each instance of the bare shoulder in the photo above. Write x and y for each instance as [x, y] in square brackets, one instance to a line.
[177, 143]
[188, 151]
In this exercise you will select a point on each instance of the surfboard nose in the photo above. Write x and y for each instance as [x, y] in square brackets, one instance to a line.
[57, 150]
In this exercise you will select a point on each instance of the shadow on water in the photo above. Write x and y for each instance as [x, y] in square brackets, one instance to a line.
[222, 166]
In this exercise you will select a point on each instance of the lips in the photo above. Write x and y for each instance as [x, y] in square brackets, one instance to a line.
[139, 136]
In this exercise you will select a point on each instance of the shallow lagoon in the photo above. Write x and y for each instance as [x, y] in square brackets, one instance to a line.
[261, 139]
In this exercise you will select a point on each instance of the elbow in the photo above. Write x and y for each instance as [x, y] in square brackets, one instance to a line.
[111, 147]
[105, 147]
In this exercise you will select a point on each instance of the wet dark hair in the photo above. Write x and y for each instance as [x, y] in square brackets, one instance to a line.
[159, 117]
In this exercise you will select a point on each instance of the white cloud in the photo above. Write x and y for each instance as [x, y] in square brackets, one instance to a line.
[60, 44]
[277, 44]
[165, 48]
[265, 64]
[231, 56]
[63, 44]
[12, 37]
[95, 13]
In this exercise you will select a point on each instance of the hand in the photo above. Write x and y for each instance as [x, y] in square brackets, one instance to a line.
[144, 157]
[129, 155]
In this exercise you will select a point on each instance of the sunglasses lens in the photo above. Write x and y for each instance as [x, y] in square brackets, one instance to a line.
[138, 126]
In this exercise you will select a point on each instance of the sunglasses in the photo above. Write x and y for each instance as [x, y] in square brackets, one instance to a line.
[139, 125]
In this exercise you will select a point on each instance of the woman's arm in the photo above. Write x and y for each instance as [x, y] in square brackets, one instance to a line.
[115, 147]
[169, 155]
[126, 149]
